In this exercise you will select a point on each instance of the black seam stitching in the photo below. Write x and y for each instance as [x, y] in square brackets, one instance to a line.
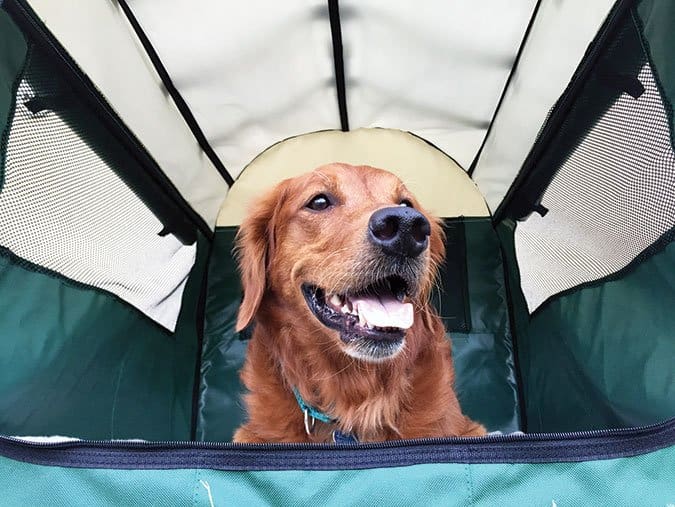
[178, 99]
[514, 68]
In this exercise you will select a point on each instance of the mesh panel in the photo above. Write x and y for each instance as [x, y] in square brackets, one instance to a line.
[611, 199]
[63, 208]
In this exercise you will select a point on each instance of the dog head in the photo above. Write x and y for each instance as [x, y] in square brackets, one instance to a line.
[348, 248]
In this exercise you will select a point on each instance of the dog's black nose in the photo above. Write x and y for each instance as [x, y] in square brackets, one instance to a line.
[399, 230]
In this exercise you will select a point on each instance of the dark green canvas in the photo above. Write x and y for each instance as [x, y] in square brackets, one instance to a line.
[608, 348]
[78, 361]
[599, 356]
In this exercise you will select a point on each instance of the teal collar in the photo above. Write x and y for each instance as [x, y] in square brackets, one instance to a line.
[311, 413]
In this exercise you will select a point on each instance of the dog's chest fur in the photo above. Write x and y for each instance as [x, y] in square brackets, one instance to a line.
[374, 402]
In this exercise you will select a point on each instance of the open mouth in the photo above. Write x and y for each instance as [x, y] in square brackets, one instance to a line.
[372, 321]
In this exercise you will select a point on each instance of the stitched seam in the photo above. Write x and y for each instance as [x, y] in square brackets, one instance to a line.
[469, 483]
[195, 492]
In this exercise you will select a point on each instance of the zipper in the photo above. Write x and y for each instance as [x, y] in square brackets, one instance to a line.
[557, 118]
[511, 448]
[389, 444]
[152, 186]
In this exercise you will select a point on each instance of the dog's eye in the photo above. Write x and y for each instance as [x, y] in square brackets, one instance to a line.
[406, 203]
[319, 203]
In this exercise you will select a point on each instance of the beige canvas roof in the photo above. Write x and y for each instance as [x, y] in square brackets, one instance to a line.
[409, 157]
[255, 73]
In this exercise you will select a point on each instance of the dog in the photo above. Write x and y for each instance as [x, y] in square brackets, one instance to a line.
[337, 267]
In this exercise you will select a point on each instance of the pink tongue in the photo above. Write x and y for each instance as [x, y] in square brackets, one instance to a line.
[384, 311]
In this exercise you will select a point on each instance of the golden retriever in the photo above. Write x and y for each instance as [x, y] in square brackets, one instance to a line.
[337, 266]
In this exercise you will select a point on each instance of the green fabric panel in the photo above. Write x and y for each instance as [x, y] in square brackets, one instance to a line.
[602, 356]
[485, 379]
[484, 369]
[78, 361]
[645, 480]
[220, 412]
[657, 18]
[13, 51]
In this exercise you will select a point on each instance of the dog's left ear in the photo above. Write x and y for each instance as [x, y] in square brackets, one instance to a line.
[254, 248]
[437, 242]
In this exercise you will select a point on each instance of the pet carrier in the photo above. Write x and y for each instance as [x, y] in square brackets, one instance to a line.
[136, 133]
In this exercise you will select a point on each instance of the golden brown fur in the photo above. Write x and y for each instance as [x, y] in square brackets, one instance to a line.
[281, 245]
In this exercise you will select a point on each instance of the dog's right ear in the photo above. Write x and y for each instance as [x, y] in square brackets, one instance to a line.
[254, 248]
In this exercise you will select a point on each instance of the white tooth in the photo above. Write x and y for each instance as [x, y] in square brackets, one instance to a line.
[335, 300]
[345, 309]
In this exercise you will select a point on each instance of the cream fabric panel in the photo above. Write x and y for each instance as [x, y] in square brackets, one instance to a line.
[436, 68]
[259, 71]
[441, 185]
[559, 37]
[98, 37]
[252, 72]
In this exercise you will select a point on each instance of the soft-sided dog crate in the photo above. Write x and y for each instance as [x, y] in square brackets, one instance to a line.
[135, 134]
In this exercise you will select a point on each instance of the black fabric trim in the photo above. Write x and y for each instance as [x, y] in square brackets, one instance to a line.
[658, 246]
[435, 147]
[152, 185]
[4, 139]
[516, 61]
[338, 60]
[533, 177]
[536, 448]
[513, 328]
[226, 228]
[175, 94]
[36, 268]
[200, 325]
[667, 104]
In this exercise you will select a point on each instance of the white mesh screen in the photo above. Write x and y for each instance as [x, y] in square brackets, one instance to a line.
[611, 199]
[63, 208]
